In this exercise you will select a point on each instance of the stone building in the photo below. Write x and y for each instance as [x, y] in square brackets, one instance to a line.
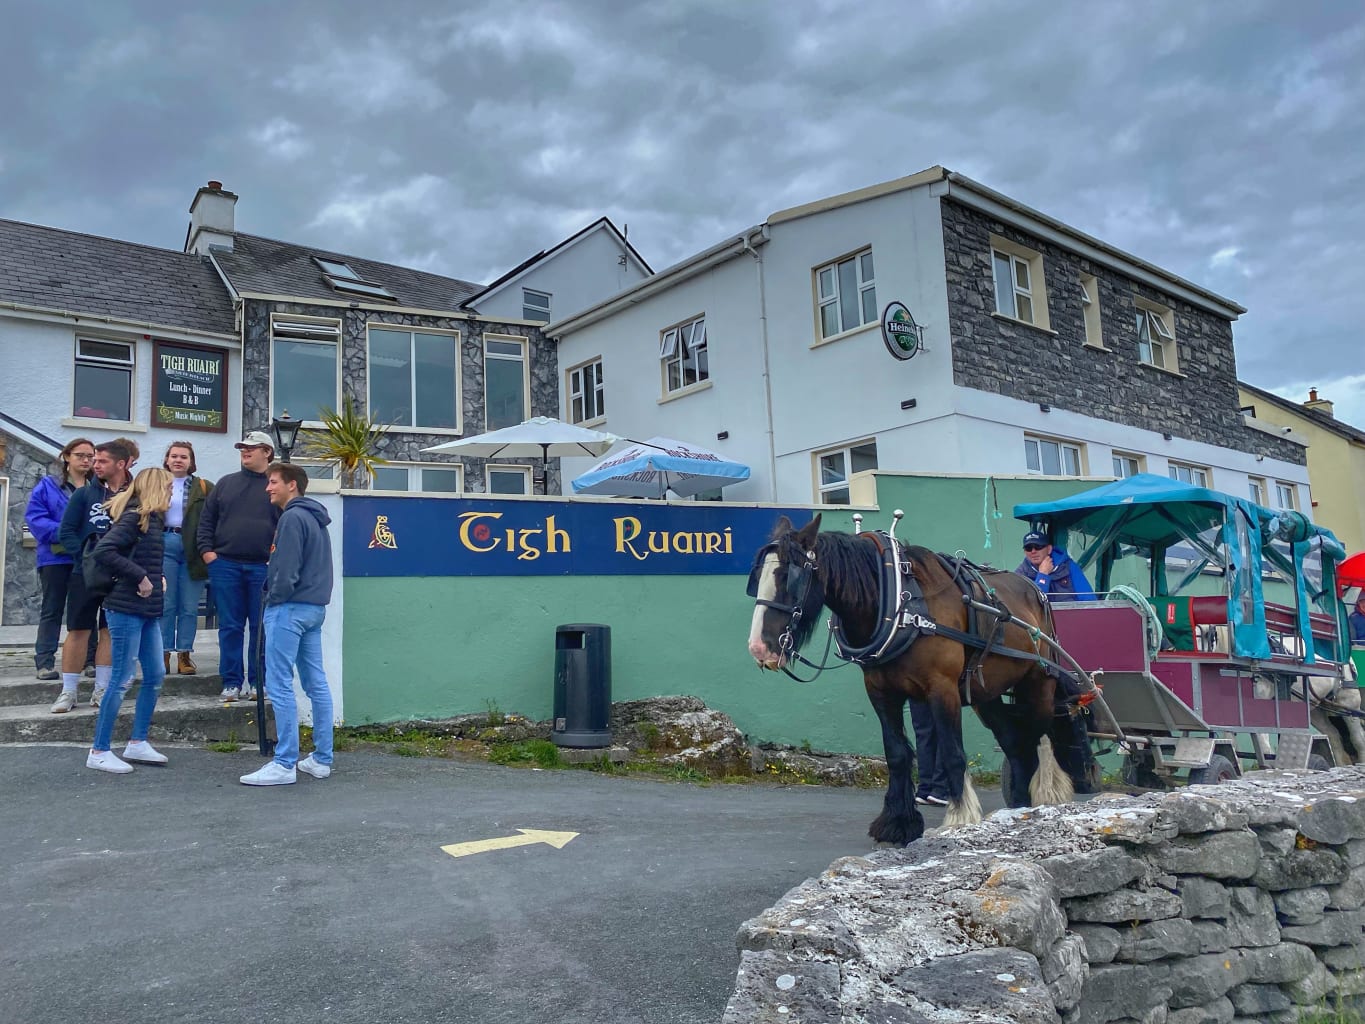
[1022, 345]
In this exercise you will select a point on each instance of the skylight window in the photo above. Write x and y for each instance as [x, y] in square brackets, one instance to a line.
[335, 268]
[343, 279]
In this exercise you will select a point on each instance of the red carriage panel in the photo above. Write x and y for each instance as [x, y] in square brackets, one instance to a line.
[1178, 677]
[1102, 636]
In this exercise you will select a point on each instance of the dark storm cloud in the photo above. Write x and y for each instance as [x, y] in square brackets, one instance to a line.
[1219, 141]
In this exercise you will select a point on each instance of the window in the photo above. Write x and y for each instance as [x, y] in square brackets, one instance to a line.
[1052, 458]
[587, 397]
[417, 476]
[683, 354]
[343, 279]
[1285, 495]
[1020, 293]
[508, 479]
[1090, 310]
[506, 382]
[846, 294]
[414, 378]
[1156, 341]
[104, 380]
[535, 305]
[304, 367]
[1186, 474]
[835, 467]
[1256, 490]
[1126, 465]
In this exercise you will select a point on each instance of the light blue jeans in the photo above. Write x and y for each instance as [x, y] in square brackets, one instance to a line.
[135, 638]
[180, 619]
[293, 636]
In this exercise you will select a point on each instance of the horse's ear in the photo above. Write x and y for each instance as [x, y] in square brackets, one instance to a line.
[807, 534]
[784, 526]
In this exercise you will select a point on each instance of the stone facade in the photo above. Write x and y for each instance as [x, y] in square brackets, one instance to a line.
[1243, 901]
[1056, 367]
[24, 465]
[405, 445]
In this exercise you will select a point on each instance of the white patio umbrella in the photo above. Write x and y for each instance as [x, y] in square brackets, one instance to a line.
[647, 469]
[540, 436]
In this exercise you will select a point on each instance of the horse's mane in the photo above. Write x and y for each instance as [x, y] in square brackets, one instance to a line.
[851, 569]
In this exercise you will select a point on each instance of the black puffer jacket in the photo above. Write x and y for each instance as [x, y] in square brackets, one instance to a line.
[130, 554]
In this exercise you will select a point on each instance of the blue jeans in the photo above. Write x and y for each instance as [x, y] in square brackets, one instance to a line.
[135, 638]
[293, 636]
[180, 619]
[933, 780]
[237, 590]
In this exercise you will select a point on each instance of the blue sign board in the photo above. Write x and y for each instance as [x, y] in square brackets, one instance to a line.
[392, 536]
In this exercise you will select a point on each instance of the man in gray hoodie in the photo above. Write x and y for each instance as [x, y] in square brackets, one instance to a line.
[298, 589]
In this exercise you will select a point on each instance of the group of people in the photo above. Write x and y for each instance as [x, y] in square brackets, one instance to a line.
[1057, 575]
[161, 536]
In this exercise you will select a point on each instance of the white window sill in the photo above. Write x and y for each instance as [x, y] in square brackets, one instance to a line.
[115, 426]
[1023, 323]
[1098, 348]
[691, 389]
[596, 421]
[441, 431]
[1162, 369]
[845, 334]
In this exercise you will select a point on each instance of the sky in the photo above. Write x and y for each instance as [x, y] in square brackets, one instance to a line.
[1222, 141]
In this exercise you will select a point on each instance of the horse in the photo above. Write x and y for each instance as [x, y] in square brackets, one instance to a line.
[800, 571]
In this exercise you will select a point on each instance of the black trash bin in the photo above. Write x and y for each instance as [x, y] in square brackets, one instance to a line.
[582, 686]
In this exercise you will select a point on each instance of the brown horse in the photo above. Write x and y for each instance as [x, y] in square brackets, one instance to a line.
[801, 571]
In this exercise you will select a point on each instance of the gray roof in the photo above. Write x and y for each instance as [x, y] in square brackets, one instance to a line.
[71, 272]
[271, 267]
[1322, 419]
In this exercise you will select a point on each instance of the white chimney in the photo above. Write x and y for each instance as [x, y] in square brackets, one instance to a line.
[211, 219]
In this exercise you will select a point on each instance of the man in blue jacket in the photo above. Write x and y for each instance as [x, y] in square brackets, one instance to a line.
[298, 589]
[1053, 571]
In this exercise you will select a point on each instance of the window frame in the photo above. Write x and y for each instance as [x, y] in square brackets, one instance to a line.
[1258, 490]
[410, 330]
[1062, 443]
[834, 299]
[1149, 316]
[821, 489]
[1090, 312]
[1173, 466]
[508, 467]
[415, 469]
[1021, 255]
[345, 279]
[525, 359]
[305, 321]
[673, 350]
[1139, 462]
[526, 294]
[573, 388]
[1285, 488]
[128, 366]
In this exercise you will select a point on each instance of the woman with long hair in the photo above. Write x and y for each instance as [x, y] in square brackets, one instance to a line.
[44, 518]
[133, 551]
[184, 569]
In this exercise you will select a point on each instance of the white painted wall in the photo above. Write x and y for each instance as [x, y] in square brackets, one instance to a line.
[578, 276]
[37, 368]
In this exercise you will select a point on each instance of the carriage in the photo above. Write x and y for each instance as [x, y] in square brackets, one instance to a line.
[1219, 640]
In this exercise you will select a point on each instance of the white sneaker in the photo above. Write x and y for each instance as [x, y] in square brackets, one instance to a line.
[228, 695]
[143, 753]
[107, 761]
[270, 774]
[311, 766]
[98, 696]
[64, 702]
[247, 692]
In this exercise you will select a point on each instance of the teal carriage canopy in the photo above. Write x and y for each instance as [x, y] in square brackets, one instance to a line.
[1148, 516]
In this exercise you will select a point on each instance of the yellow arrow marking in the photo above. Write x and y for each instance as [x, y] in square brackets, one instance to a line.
[528, 837]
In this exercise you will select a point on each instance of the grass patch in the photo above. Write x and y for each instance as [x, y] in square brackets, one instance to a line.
[1334, 1013]
[228, 746]
[541, 753]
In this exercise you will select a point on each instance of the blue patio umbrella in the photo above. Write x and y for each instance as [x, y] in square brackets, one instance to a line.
[648, 469]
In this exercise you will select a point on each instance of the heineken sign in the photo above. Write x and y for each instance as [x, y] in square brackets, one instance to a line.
[189, 387]
[899, 331]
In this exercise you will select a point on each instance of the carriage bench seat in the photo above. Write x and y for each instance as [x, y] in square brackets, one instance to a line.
[1182, 617]
[1282, 620]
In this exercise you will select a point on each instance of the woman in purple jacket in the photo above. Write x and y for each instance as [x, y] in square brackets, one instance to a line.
[44, 516]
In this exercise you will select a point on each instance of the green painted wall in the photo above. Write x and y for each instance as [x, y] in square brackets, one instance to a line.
[434, 647]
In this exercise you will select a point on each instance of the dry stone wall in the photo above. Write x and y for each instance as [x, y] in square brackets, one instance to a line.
[1213, 904]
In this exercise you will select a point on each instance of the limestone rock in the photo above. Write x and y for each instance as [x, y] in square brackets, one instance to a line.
[1334, 819]
[1300, 868]
[1301, 906]
[1277, 840]
[1343, 958]
[1203, 897]
[1311, 988]
[1157, 940]
[1202, 979]
[772, 988]
[1252, 1000]
[819, 768]
[1114, 991]
[1217, 855]
[1101, 942]
[1349, 982]
[989, 984]
[1124, 905]
[1198, 809]
[1337, 928]
[1093, 871]
[1251, 919]
[1212, 936]
[1064, 970]
[1018, 904]
[1287, 962]
[1349, 895]
[1217, 1012]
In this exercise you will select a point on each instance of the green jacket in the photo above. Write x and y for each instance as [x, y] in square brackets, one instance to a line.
[199, 493]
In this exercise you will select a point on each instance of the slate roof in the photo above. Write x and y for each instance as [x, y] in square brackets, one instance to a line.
[72, 272]
[272, 267]
[1315, 416]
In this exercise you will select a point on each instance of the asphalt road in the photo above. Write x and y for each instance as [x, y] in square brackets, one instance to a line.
[177, 894]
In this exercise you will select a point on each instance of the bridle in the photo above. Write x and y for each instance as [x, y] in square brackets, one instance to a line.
[800, 579]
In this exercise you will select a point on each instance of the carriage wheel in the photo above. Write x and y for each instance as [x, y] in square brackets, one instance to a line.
[1219, 769]
[1138, 770]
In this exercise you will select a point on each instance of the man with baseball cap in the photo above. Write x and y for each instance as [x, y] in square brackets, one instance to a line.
[235, 532]
[1052, 570]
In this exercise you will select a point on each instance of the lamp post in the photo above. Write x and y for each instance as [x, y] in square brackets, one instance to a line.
[286, 433]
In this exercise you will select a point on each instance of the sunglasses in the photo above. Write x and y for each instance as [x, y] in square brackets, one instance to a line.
[1033, 547]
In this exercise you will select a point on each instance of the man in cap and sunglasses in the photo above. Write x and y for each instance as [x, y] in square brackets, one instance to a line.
[1052, 570]
[235, 532]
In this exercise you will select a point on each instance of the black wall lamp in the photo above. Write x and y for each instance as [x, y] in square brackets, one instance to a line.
[1165, 436]
[722, 435]
[909, 403]
[1044, 407]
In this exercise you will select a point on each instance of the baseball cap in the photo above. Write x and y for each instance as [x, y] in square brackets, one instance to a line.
[1034, 537]
[255, 438]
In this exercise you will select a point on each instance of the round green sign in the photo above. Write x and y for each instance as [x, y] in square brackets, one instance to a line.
[900, 333]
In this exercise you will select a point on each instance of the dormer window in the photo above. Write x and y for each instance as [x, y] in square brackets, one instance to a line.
[343, 279]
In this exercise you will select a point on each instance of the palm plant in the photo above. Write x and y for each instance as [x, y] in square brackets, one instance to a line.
[348, 440]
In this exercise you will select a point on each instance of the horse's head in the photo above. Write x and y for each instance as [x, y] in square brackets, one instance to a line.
[788, 592]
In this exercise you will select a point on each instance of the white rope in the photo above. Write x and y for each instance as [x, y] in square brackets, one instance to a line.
[1149, 616]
